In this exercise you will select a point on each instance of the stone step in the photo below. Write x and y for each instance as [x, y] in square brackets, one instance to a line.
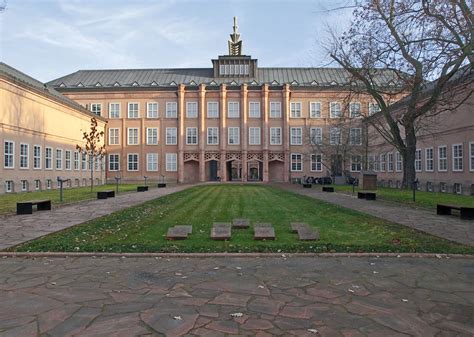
[240, 223]
[221, 233]
[295, 226]
[263, 233]
[177, 233]
[308, 234]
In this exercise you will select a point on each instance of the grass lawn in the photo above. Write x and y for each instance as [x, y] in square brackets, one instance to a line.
[70, 195]
[423, 199]
[143, 228]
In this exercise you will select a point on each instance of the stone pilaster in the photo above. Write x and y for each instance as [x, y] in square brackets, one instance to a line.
[244, 129]
[202, 132]
[266, 135]
[286, 131]
[223, 131]
[181, 133]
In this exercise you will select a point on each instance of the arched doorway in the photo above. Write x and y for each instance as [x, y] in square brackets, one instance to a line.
[191, 171]
[276, 171]
[254, 170]
[212, 170]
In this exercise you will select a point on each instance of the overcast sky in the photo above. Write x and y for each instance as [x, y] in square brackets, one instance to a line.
[51, 38]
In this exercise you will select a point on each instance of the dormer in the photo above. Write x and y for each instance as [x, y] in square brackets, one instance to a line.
[154, 84]
[116, 84]
[135, 84]
[98, 84]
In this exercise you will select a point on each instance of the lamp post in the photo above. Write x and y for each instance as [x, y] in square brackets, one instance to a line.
[61, 181]
[117, 179]
[145, 177]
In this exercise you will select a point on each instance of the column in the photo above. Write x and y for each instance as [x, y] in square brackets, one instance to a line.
[265, 130]
[244, 128]
[181, 133]
[286, 131]
[202, 131]
[222, 131]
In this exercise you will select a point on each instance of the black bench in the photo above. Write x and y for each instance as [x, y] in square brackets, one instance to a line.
[466, 213]
[26, 207]
[105, 194]
[142, 188]
[367, 195]
[307, 185]
[328, 189]
[161, 185]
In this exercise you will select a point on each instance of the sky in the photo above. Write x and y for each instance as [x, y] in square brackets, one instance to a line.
[48, 39]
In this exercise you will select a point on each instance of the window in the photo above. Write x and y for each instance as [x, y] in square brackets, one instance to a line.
[212, 109]
[114, 136]
[152, 162]
[296, 136]
[254, 109]
[373, 108]
[442, 158]
[84, 162]
[376, 163]
[171, 136]
[418, 160]
[96, 108]
[8, 186]
[48, 158]
[398, 162]
[233, 110]
[212, 136]
[295, 109]
[191, 136]
[68, 159]
[316, 135]
[390, 162]
[296, 162]
[429, 186]
[24, 185]
[152, 136]
[132, 110]
[316, 163]
[171, 162]
[354, 109]
[457, 157]
[37, 157]
[114, 162]
[383, 163]
[471, 156]
[275, 110]
[24, 154]
[234, 135]
[315, 110]
[59, 159]
[355, 136]
[275, 136]
[442, 187]
[334, 110]
[37, 185]
[335, 136]
[9, 154]
[76, 160]
[152, 110]
[132, 136]
[171, 110]
[457, 188]
[356, 163]
[371, 166]
[132, 163]
[114, 110]
[429, 159]
[254, 136]
[191, 109]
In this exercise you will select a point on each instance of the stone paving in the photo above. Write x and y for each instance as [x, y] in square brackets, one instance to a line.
[15, 229]
[229, 296]
[448, 227]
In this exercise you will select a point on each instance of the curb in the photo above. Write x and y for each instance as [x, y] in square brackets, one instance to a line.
[233, 255]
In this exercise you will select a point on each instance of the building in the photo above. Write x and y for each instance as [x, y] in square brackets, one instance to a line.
[235, 121]
[39, 131]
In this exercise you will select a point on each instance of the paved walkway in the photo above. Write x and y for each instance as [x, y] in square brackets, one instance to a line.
[294, 296]
[16, 229]
[448, 227]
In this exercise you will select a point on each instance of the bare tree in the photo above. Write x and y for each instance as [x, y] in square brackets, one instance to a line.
[398, 48]
[94, 147]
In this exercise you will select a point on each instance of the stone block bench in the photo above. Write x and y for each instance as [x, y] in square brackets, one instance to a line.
[328, 189]
[161, 185]
[366, 195]
[465, 213]
[142, 188]
[26, 207]
[105, 194]
[221, 231]
[263, 231]
[304, 231]
[240, 223]
[307, 185]
[179, 232]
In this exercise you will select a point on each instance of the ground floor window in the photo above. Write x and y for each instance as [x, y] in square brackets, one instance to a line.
[37, 185]
[8, 186]
[457, 157]
[457, 188]
[429, 159]
[429, 186]
[24, 185]
[356, 163]
[49, 184]
[132, 163]
[296, 162]
[171, 162]
[471, 156]
[418, 160]
[398, 162]
[316, 163]
[442, 158]
[152, 161]
[114, 162]
[442, 187]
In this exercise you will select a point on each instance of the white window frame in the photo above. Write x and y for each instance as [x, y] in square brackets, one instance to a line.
[313, 111]
[112, 113]
[131, 138]
[8, 186]
[333, 132]
[83, 161]
[295, 161]
[233, 112]
[418, 161]
[456, 158]
[37, 158]
[94, 109]
[233, 133]
[352, 136]
[390, 162]
[114, 162]
[333, 112]
[37, 184]
[152, 113]
[398, 162]
[171, 162]
[358, 163]
[114, 136]
[383, 162]
[295, 109]
[171, 110]
[316, 165]
[24, 185]
[136, 114]
[316, 135]
[352, 105]
[211, 113]
[471, 156]
[24, 157]
[275, 113]
[133, 162]
[373, 108]
[59, 159]
[192, 109]
[296, 136]
[46, 158]
[275, 136]
[68, 162]
[254, 136]
[152, 137]
[171, 136]
[254, 109]
[212, 136]
[192, 136]
[152, 162]
[77, 164]
[445, 158]
[429, 161]
[11, 155]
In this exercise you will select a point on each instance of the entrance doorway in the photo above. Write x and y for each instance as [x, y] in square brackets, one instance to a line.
[336, 164]
[234, 170]
[212, 170]
[254, 171]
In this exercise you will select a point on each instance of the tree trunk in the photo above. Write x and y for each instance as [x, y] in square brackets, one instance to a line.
[92, 172]
[409, 173]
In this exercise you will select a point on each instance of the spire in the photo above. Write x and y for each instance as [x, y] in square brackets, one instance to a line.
[235, 45]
